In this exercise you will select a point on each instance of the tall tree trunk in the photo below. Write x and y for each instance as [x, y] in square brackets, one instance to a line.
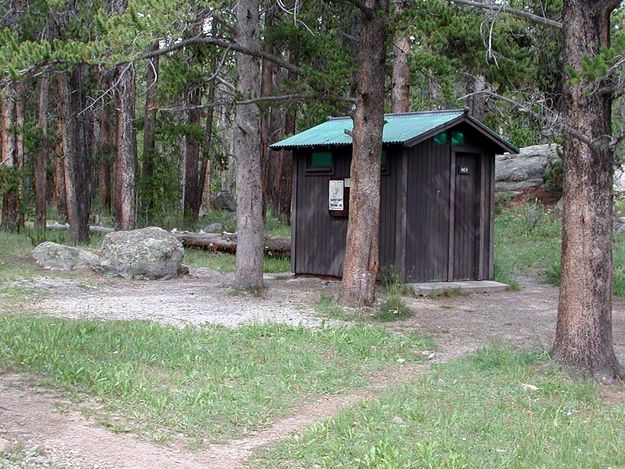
[206, 174]
[478, 100]
[74, 158]
[126, 156]
[361, 254]
[401, 72]
[249, 257]
[149, 125]
[192, 195]
[11, 195]
[106, 144]
[59, 175]
[41, 154]
[584, 328]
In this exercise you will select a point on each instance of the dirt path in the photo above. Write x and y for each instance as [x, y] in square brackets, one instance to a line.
[460, 325]
[29, 417]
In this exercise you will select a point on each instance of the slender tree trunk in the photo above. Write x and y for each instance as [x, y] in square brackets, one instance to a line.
[192, 194]
[401, 72]
[584, 329]
[41, 154]
[361, 255]
[149, 126]
[126, 156]
[206, 174]
[74, 158]
[478, 100]
[106, 144]
[59, 175]
[249, 257]
[11, 195]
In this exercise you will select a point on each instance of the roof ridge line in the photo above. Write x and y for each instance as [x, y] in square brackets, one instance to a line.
[407, 114]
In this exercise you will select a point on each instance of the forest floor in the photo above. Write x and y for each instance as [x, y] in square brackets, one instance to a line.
[41, 427]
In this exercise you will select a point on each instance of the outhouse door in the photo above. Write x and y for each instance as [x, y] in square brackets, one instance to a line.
[465, 239]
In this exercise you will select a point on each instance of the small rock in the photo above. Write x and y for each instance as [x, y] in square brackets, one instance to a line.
[55, 256]
[225, 201]
[214, 228]
[529, 387]
[5, 445]
[398, 420]
[559, 207]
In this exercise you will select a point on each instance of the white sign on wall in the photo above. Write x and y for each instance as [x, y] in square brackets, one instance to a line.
[337, 195]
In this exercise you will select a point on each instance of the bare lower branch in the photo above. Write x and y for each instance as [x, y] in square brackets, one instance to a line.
[556, 120]
[227, 101]
[512, 11]
[226, 44]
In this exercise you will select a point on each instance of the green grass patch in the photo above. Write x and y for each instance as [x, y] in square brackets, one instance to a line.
[528, 240]
[393, 306]
[498, 408]
[205, 383]
[224, 262]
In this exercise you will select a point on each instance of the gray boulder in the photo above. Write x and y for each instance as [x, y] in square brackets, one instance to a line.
[559, 207]
[525, 170]
[619, 225]
[149, 253]
[55, 256]
[225, 201]
[214, 228]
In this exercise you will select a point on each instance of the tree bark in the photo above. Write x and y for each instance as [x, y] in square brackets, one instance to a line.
[126, 156]
[41, 154]
[149, 120]
[192, 195]
[106, 145]
[11, 194]
[401, 73]
[249, 257]
[361, 253]
[478, 100]
[207, 167]
[74, 157]
[59, 175]
[584, 328]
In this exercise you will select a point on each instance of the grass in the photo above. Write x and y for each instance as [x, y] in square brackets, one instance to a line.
[22, 457]
[524, 245]
[224, 262]
[205, 383]
[391, 308]
[499, 408]
[16, 264]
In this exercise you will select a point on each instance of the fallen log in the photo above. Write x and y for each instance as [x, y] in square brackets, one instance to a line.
[227, 242]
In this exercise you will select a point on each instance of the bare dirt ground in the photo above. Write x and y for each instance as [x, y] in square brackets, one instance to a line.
[29, 414]
[202, 297]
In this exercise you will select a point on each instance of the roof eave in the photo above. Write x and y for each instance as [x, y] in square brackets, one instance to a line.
[476, 124]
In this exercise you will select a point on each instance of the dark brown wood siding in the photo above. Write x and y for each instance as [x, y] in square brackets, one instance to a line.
[427, 212]
[318, 237]
[388, 213]
[420, 200]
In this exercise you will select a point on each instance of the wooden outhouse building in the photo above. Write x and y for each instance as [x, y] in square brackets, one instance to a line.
[437, 196]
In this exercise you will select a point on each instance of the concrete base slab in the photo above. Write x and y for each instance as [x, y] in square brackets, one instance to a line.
[456, 288]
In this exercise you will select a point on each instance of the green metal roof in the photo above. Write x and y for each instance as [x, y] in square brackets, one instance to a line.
[405, 128]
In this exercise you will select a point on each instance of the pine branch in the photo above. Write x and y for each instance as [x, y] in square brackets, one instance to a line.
[512, 11]
[367, 11]
[226, 44]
